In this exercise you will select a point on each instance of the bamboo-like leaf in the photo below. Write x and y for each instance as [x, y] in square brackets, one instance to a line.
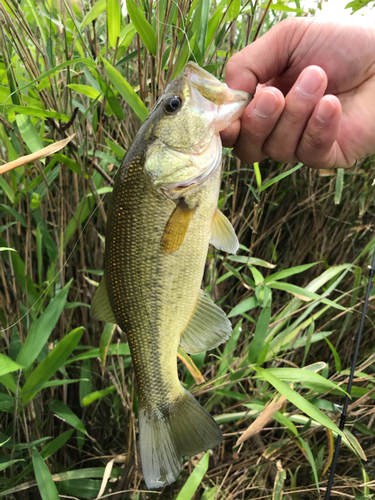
[229, 350]
[51, 363]
[279, 177]
[93, 13]
[105, 340]
[85, 90]
[298, 400]
[29, 111]
[280, 7]
[335, 355]
[126, 90]
[286, 273]
[278, 485]
[126, 35]
[301, 375]
[5, 465]
[234, 7]
[29, 133]
[113, 21]
[187, 49]
[68, 415]
[251, 261]
[93, 396]
[303, 293]
[305, 446]
[143, 27]
[244, 306]
[42, 328]
[46, 485]
[7, 249]
[258, 176]
[339, 185]
[286, 422]
[7, 189]
[260, 334]
[120, 349]
[195, 478]
[42, 153]
[330, 451]
[7, 365]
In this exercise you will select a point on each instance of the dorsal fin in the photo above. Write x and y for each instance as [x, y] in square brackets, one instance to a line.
[208, 327]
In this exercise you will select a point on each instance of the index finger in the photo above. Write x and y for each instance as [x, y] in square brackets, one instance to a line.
[266, 58]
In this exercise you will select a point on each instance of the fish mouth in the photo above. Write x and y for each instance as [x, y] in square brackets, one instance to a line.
[228, 104]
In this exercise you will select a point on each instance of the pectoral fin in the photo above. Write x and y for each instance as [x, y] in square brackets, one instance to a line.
[100, 306]
[208, 327]
[177, 225]
[223, 235]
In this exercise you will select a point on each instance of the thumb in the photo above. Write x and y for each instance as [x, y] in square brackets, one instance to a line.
[267, 57]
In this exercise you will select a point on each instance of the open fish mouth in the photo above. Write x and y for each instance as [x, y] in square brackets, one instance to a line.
[229, 103]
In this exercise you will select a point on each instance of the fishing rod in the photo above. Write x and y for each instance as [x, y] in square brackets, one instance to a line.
[349, 388]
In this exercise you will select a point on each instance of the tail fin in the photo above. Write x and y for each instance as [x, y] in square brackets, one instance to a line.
[166, 435]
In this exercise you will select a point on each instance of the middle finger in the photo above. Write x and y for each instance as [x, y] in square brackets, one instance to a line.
[300, 103]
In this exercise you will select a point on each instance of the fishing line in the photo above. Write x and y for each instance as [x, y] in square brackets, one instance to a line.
[101, 200]
[173, 26]
[62, 268]
[349, 388]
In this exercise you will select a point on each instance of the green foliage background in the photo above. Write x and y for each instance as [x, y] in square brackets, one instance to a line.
[294, 292]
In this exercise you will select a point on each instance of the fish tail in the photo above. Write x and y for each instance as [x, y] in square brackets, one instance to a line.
[168, 433]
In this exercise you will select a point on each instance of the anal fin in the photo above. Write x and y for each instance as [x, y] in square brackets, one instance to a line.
[208, 327]
[223, 235]
[177, 225]
[100, 306]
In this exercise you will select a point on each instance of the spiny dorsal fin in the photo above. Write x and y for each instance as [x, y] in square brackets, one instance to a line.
[100, 306]
[208, 327]
[223, 236]
[177, 225]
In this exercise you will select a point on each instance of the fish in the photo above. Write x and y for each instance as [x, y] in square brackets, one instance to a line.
[162, 217]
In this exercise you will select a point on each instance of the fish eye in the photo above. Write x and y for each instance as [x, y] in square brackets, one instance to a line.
[173, 104]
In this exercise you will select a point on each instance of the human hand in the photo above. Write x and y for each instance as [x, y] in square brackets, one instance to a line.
[316, 103]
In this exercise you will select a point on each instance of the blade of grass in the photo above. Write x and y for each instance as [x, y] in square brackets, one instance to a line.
[46, 485]
[51, 363]
[195, 478]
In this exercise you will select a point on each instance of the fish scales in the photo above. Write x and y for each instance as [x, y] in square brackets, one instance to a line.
[162, 217]
[147, 287]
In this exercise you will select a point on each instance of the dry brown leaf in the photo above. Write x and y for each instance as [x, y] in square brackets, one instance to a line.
[106, 476]
[190, 365]
[302, 297]
[263, 419]
[42, 153]
[327, 172]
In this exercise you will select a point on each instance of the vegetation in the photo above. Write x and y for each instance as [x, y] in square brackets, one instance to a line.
[68, 410]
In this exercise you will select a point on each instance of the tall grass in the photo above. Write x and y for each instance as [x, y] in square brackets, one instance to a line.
[68, 410]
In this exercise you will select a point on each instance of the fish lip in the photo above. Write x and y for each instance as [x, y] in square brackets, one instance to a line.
[226, 104]
[201, 78]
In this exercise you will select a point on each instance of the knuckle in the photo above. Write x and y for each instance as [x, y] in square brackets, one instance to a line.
[232, 65]
[313, 140]
[272, 150]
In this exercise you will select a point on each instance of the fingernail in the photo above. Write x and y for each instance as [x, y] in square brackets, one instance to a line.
[324, 111]
[266, 105]
[310, 81]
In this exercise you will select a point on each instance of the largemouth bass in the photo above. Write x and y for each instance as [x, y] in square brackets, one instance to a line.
[162, 217]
